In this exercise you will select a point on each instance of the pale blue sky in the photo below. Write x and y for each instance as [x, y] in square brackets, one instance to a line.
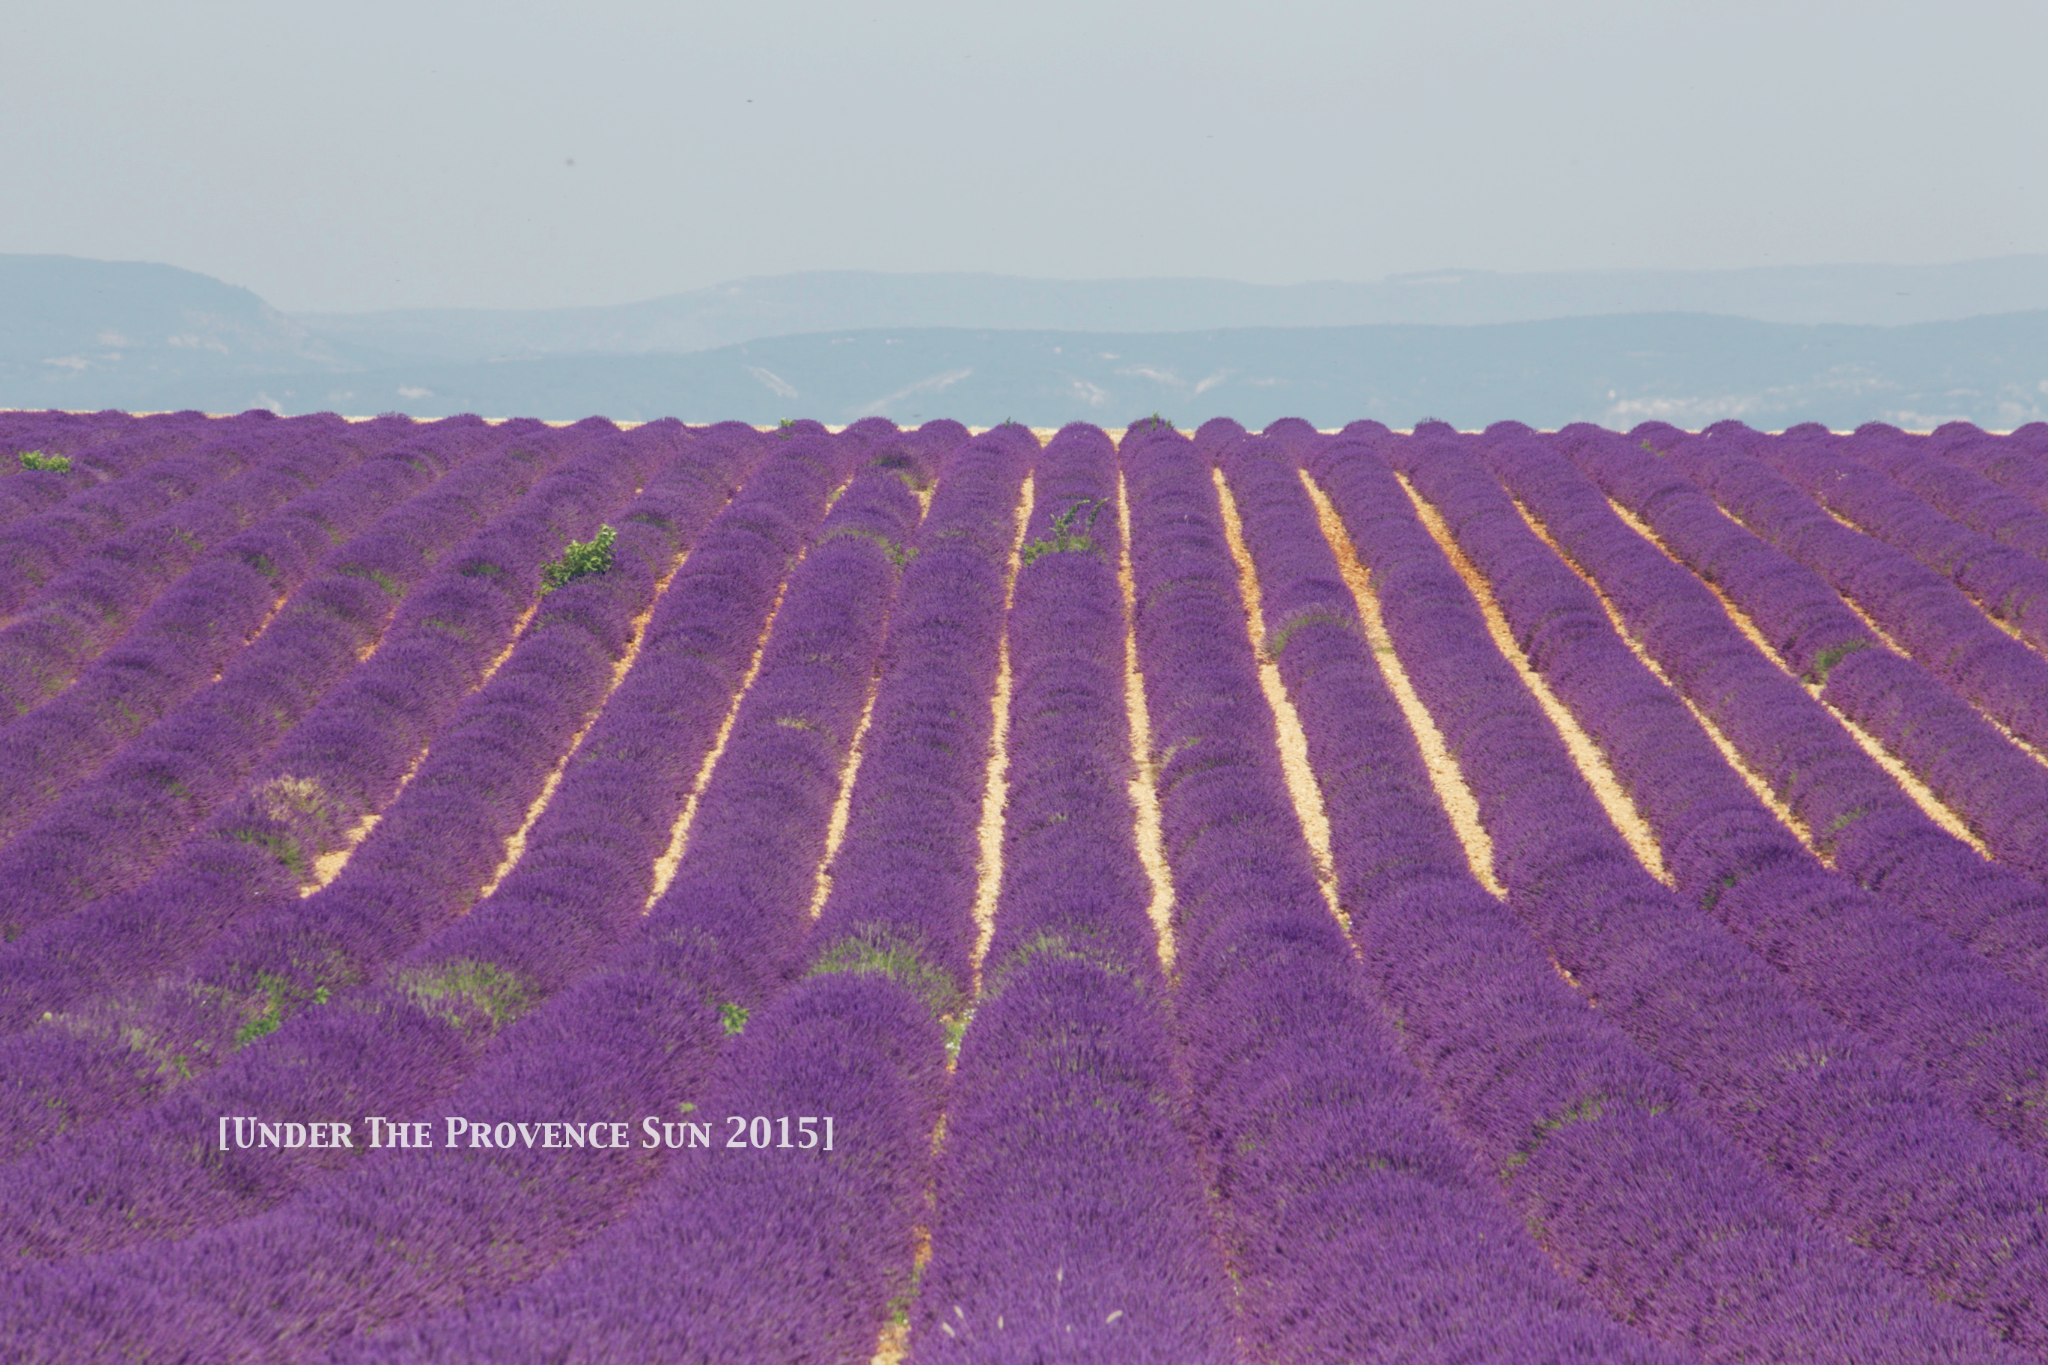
[378, 154]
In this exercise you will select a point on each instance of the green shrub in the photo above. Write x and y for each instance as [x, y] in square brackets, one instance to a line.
[1066, 535]
[1834, 654]
[580, 560]
[56, 464]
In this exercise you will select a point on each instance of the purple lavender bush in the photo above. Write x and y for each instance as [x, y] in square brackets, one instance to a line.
[1849, 1127]
[1357, 1225]
[1069, 1213]
[86, 609]
[236, 608]
[1870, 827]
[1930, 619]
[1572, 1117]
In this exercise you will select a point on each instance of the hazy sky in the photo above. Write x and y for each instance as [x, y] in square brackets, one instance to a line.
[374, 154]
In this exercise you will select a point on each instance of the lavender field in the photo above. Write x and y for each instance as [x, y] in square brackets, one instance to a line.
[501, 892]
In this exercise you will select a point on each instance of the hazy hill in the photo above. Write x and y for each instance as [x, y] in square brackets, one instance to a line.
[84, 334]
[133, 319]
[1685, 368]
[827, 301]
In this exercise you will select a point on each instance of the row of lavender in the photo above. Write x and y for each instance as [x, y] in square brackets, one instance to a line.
[542, 926]
[1098, 1095]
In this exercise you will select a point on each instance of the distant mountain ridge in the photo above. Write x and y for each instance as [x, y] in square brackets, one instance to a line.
[1689, 369]
[825, 301]
[85, 334]
[67, 313]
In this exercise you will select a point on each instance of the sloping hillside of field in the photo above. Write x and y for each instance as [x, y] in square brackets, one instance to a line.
[484, 891]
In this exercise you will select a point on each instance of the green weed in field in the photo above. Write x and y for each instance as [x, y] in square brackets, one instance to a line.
[581, 559]
[1066, 536]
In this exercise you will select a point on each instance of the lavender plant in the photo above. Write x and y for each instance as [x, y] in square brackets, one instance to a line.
[1354, 1220]
[1846, 1125]
[1706, 1254]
